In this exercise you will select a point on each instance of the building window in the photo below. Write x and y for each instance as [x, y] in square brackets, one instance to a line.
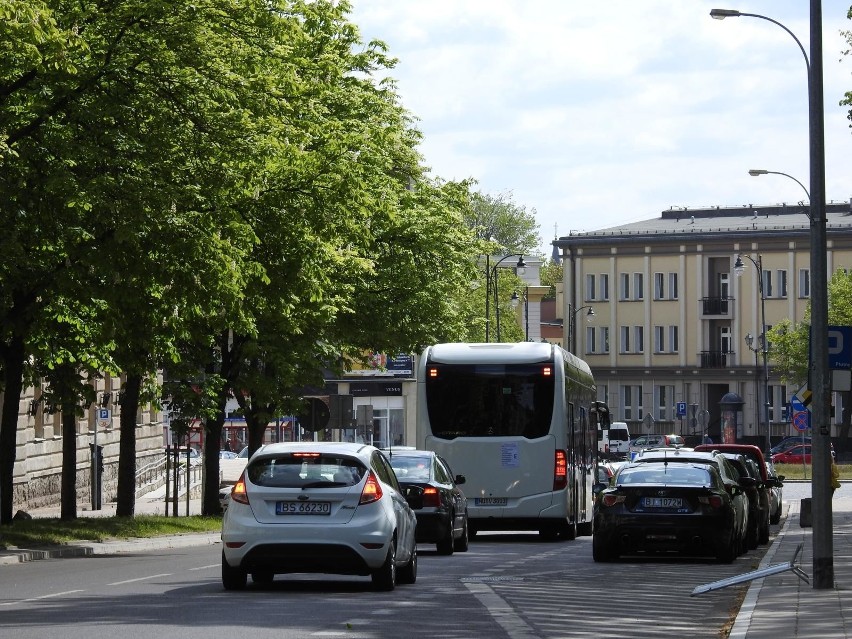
[782, 283]
[659, 286]
[639, 339]
[673, 339]
[624, 291]
[638, 286]
[767, 283]
[605, 339]
[590, 287]
[591, 346]
[804, 282]
[631, 402]
[625, 339]
[604, 287]
[659, 339]
[663, 402]
[673, 295]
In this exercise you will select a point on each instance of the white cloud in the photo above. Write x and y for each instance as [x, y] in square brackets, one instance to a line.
[600, 113]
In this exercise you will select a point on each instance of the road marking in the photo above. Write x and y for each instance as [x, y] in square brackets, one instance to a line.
[55, 594]
[130, 581]
[205, 567]
[501, 611]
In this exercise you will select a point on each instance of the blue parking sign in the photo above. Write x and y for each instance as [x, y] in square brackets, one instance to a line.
[681, 409]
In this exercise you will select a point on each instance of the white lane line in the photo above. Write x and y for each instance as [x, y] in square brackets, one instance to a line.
[55, 594]
[501, 611]
[205, 567]
[130, 581]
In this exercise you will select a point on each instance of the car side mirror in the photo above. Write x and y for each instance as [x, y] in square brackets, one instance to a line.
[781, 478]
[748, 482]
[460, 479]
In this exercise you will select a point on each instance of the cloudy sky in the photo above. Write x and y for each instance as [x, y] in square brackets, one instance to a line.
[598, 113]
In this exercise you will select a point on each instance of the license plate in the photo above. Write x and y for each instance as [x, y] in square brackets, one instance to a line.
[490, 501]
[303, 508]
[662, 502]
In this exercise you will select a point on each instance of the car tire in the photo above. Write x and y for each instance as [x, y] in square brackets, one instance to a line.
[408, 573]
[263, 577]
[763, 537]
[752, 536]
[445, 545]
[567, 531]
[462, 543]
[232, 578]
[775, 519]
[601, 553]
[728, 552]
[384, 578]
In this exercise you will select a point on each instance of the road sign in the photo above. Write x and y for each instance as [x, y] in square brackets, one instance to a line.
[797, 405]
[802, 420]
[681, 409]
[104, 417]
[839, 347]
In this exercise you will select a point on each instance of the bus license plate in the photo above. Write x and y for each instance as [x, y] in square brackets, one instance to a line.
[303, 508]
[662, 502]
[490, 501]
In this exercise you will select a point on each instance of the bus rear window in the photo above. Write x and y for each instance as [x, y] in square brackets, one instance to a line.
[490, 400]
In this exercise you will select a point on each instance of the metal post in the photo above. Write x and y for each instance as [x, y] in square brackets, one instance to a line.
[527, 312]
[487, 298]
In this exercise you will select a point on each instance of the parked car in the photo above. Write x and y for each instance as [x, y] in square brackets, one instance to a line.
[758, 500]
[735, 485]
[318, 507]
[800, 454]
[787, 443]
[227, 454]
[664, 507]
[767, 482]
[432, 491]
[775, 495]
[187, 455]
[653, 441]
[231, 469]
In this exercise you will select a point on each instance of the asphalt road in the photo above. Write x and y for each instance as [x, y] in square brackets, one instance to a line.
[507, 585]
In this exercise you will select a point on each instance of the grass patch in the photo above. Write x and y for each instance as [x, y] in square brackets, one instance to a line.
[32, 533]
[797, 471]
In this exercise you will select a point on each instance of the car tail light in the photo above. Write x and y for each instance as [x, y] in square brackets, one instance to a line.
[612, 500]
[560, 471]
[714, 501]
[238, 492]
[372, 490]
[431, 498]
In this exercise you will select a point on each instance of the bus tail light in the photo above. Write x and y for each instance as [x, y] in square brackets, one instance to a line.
[560, 471]
[372, 490]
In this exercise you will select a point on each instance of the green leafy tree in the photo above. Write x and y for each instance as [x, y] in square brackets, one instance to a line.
[499, 219]
[790, 340]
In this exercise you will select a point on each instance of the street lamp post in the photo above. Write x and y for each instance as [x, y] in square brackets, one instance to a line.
[762, 342]
[572, 324]
[491, 288]
[756, 172]
[819, 381]
[526, 299]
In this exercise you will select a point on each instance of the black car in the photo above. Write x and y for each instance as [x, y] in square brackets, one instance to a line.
[435, 497]
[664, 507]
[758, 499]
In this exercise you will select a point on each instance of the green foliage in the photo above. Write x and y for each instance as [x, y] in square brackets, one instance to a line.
[508, 226]
[551, 275]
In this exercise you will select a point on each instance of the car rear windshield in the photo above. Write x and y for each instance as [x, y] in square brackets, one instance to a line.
[300, 470]
[410, 468]
[666, 474]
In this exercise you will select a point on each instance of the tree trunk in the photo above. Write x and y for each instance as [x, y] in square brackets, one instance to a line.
[13, 383]
[210, 490]
[126, 490]
[68, 490]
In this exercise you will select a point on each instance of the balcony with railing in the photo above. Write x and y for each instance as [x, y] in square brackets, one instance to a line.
[716, 359]
[716, 306]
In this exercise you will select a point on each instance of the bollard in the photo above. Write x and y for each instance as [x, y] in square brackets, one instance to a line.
[805, 516]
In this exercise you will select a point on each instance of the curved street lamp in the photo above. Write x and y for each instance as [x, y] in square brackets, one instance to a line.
[491, 285]
[757, 172]
[763, 343]
[818, 377]
[572, 325]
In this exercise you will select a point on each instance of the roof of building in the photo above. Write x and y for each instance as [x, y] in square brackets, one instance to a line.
[677, 224]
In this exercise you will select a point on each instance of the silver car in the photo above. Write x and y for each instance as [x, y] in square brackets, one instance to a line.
[775, 493]
[318, 507]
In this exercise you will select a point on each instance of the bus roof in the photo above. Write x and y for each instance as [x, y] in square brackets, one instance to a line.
[479, 353]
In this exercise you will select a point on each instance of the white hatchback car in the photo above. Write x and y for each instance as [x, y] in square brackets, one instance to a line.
[318, 507]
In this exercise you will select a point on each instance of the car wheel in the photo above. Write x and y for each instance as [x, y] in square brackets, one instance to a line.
[408, 573]
[445, 545]
[763, 537]
[775, 519]
[232, 578]
[385, 577]
[600, 552]
[263, 578]
[751, 537]
[568, 531]
[462, 543]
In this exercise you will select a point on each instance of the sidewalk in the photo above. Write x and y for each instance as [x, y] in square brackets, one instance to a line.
[783, 605]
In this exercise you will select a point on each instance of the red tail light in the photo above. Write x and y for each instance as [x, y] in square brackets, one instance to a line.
[714, 501]
[372, 490]
[612, 500]
[238, 492]
[560, 471]
[431, 498]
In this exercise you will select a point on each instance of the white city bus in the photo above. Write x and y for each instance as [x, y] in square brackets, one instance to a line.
[520, 422]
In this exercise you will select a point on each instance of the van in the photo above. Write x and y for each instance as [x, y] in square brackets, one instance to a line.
[619, 438]
[603, 440]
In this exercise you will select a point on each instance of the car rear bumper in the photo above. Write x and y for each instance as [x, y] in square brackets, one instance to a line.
[688, 535]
